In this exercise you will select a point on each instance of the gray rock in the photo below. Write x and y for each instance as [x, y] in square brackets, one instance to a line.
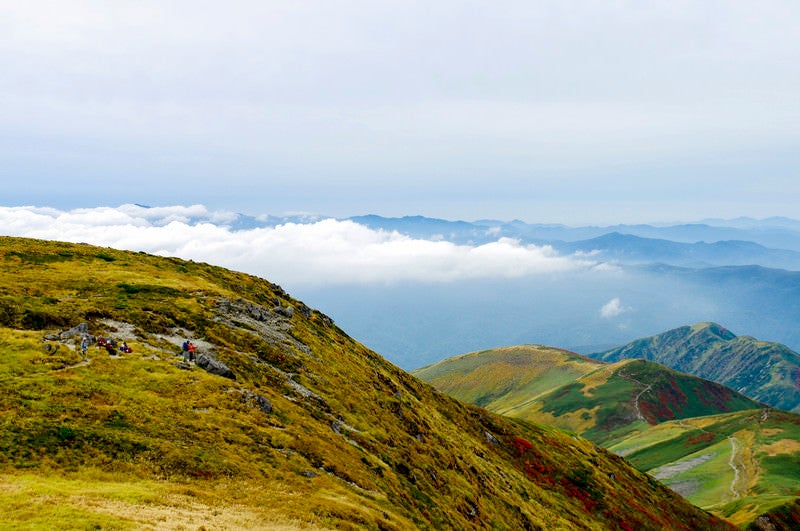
[286, 311]
[214, 366]
[263, 404]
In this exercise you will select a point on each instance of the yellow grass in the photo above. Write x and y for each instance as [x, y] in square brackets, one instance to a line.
[784, 446]
[53, 501]
[595, 379]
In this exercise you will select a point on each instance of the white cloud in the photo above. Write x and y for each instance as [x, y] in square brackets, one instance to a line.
[322, 252]
[613, 308]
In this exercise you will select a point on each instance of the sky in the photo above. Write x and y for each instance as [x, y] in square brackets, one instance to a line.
[570, 112]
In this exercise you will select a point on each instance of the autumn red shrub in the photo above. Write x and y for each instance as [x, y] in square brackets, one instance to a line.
[521, 445]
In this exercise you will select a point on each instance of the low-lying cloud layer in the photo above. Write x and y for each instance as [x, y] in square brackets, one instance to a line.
[327, 252]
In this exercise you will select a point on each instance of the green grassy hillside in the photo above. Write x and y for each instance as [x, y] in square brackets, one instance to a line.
[306, 429]
[739, 465]
[662, 421]
[560, 388]
[764, 371]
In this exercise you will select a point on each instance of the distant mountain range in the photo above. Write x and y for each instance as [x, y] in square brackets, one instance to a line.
[768, 372]
[630, 249]
[725, 452]
[774, 233]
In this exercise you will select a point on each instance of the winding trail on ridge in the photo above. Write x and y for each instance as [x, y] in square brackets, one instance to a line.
[737, 465]
[647, 387]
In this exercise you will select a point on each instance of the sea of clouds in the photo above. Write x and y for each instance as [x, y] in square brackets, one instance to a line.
[325, 251]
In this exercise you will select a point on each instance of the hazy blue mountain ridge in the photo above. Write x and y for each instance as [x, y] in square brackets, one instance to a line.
[783, 234]
[630, 249]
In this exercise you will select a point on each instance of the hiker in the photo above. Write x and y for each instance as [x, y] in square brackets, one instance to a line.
[192, 350]
[84, 346]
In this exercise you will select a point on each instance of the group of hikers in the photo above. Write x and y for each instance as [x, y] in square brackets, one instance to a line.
[110, 344]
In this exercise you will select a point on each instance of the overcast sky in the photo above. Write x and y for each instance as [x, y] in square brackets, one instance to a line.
[562, 111]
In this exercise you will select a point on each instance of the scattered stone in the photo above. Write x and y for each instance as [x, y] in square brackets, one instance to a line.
[51, 349]
[263, 404]
[471, 510]
[338, 425]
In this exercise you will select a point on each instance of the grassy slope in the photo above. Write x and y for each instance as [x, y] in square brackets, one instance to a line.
[564, 389]
[351, 441]
[767, 372]
[495, 379]
[600, 404]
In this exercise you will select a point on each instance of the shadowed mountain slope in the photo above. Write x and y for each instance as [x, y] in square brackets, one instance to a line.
[765, 371]
[284, 422]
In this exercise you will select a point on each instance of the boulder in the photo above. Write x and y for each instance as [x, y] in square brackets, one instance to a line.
[214, 366]
[286, 311]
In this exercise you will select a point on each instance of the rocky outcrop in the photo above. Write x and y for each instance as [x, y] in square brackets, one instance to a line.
[81, 330]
